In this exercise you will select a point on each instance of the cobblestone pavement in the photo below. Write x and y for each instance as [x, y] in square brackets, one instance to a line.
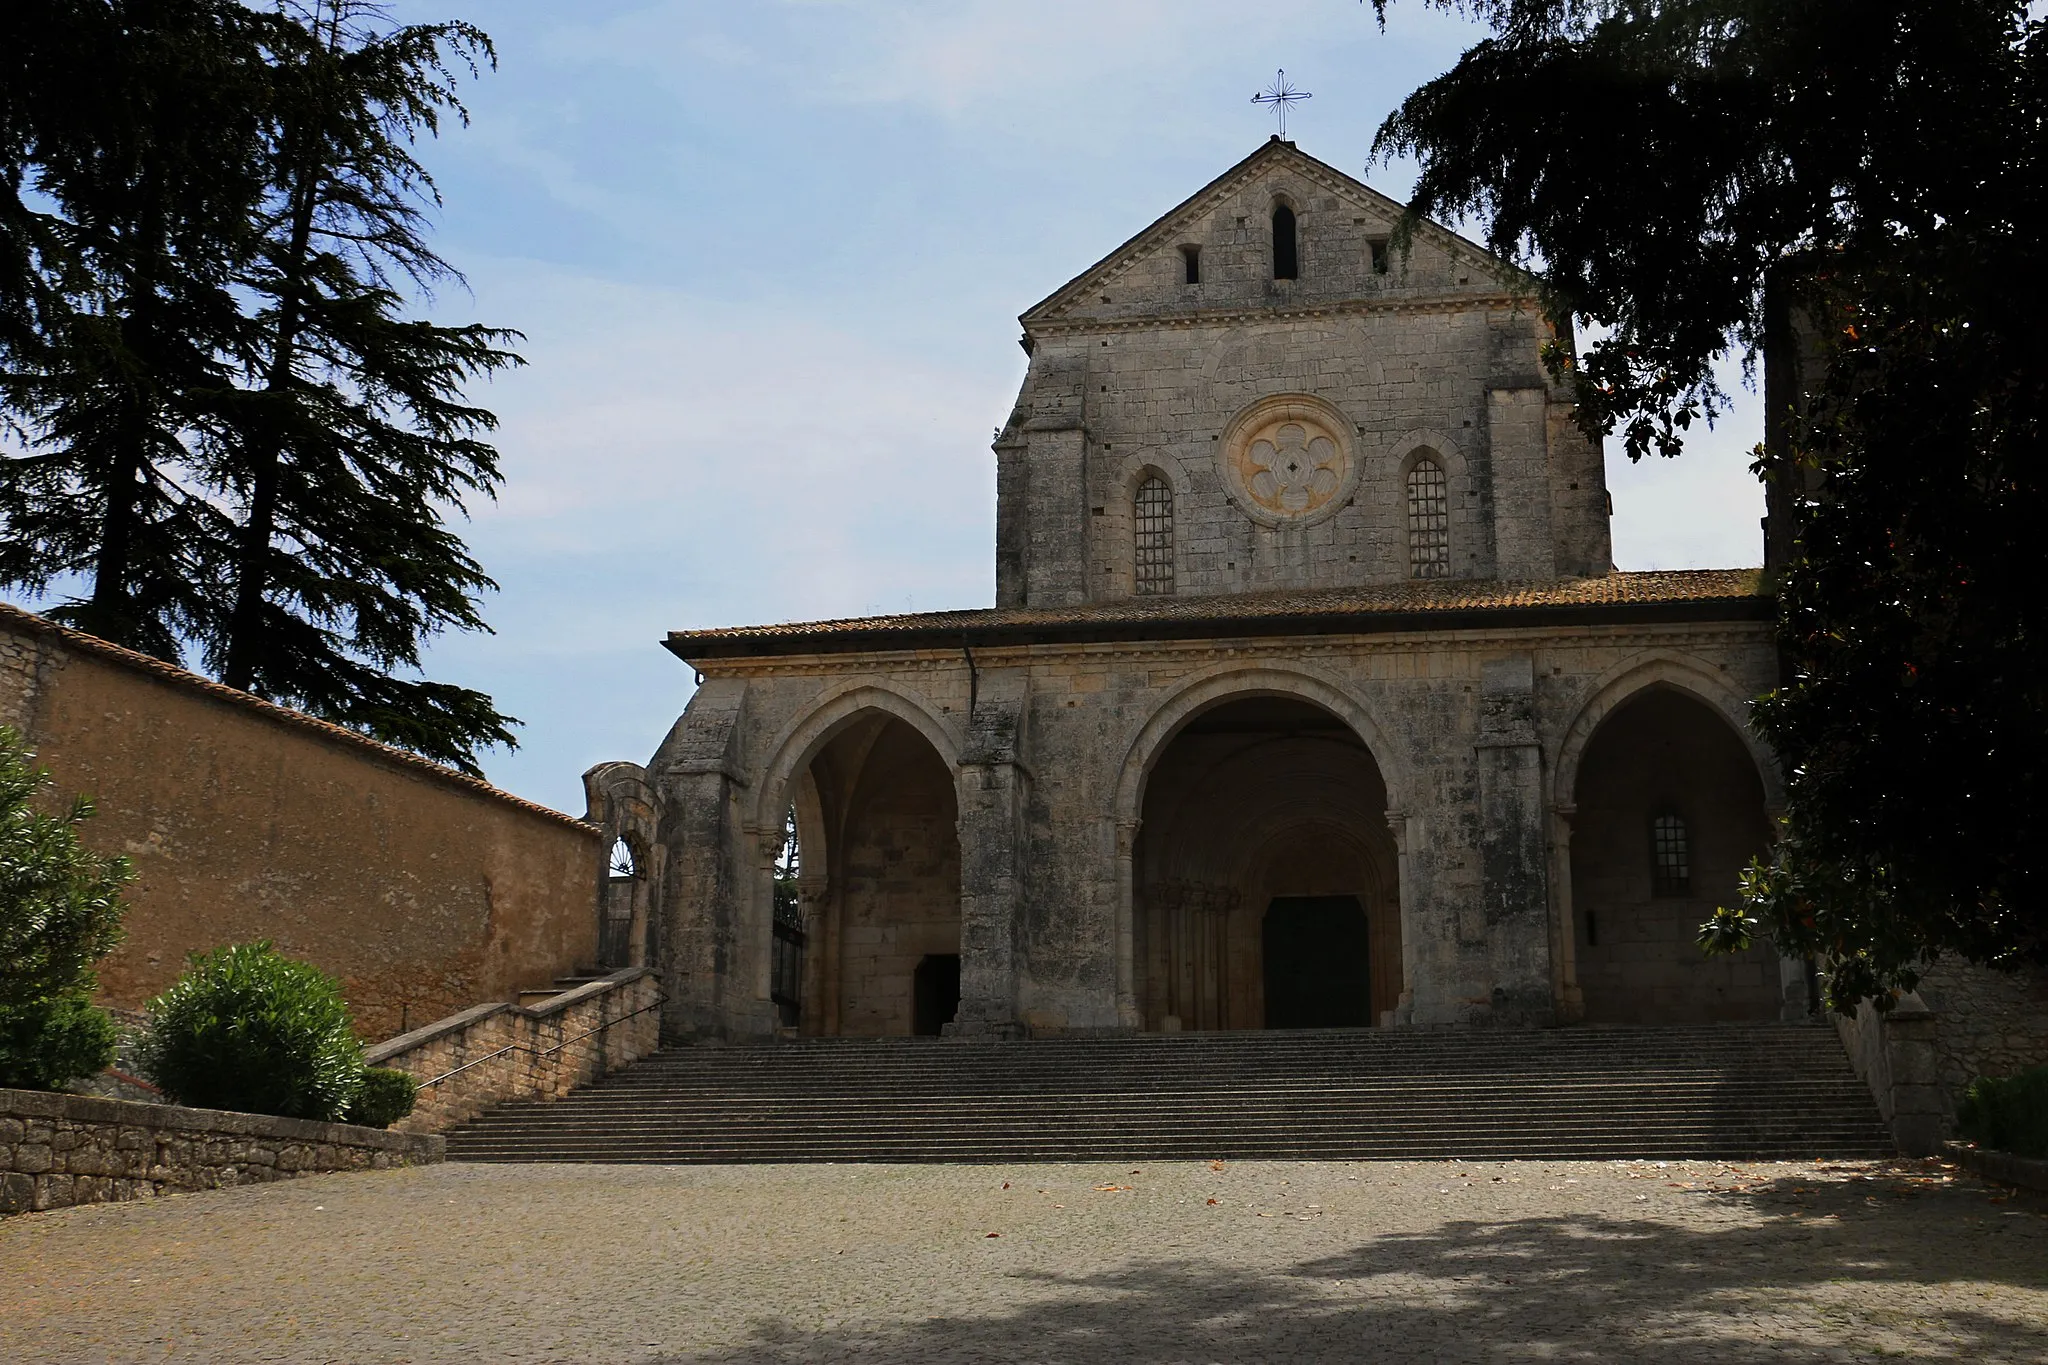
[1141, 1263]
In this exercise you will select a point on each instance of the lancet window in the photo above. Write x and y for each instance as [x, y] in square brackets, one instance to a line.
[1152, 518]
[1429, 521]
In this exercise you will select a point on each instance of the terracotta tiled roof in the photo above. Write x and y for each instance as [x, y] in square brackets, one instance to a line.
[1441, 604]
[16, 618]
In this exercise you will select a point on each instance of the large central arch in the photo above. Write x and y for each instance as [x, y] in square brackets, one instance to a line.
[1263, 879]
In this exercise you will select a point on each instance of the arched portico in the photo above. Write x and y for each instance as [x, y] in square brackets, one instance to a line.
[1667, 803]
[878, 876]
[1252, 815]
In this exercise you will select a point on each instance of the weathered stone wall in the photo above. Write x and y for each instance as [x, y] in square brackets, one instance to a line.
[1084, 727]
[57, 1150]
[1986, 1022]
[422, 889]
[1638, 957]
[1135, 372]
[1964, 1022]
[493, 1053]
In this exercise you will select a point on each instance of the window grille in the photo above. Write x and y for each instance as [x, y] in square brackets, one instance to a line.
[1154, 509]
[1670, 857]
[1429, 522]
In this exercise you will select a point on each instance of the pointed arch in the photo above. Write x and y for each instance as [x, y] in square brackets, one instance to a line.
[1679, 672]
[799, 741]
[1233, 682]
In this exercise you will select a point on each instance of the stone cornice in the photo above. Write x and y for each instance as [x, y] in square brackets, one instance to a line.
[1461, 301]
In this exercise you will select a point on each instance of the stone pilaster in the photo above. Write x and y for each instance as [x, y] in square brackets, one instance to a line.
[708, 956]
[991, 801]
[1514, 847]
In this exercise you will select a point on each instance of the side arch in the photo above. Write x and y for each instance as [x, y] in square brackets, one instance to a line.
[1679, 672]
[799, 741]
[1229, 682]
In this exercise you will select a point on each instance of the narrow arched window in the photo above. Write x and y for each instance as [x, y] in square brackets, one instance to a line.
[1153, 518]
[1670, 856]
[1286, 259]
[623, 867]
[1429, 521]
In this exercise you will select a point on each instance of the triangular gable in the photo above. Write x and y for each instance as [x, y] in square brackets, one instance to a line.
[1272, 155]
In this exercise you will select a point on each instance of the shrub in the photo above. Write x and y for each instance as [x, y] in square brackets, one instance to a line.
[2009, 1115]
[48, 1045]
[60, 912]
[384, 1096]
[247, 1028]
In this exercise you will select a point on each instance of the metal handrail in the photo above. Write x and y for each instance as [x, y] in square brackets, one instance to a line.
[659, 1001]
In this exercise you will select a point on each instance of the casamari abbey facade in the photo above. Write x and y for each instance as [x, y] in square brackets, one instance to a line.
[1310, 697]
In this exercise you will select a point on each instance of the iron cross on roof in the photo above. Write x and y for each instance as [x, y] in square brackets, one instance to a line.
[1281, 94]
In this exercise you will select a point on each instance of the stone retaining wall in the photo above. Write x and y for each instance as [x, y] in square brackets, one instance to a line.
[58, 1149]
[1964, 1022]
[485, 1056]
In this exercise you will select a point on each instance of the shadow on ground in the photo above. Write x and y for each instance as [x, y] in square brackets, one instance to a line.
[1820, 1268]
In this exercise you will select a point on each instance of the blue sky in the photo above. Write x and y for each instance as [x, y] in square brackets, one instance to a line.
[769, 257]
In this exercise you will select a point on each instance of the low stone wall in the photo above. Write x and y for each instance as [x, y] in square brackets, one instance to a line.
[485, 1056]
[58, 1149]
[1963, 1023]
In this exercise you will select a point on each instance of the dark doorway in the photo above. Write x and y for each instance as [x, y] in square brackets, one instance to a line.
[936, 992]
[1317, 973]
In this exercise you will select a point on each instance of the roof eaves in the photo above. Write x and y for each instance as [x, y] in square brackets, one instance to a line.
[184, 679]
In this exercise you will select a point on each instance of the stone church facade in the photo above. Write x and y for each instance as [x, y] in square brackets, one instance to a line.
[1310, 695]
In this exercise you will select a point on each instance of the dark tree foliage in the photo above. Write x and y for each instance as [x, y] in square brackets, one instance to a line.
[350, 436]
[1855, 187]
[229, 436]
[132, 143]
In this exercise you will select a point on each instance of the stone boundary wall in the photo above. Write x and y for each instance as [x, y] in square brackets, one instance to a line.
[484, 1056]
[58, 1149]
[1964, 1022]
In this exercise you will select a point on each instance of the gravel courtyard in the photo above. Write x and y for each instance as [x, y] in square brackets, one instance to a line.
[1158, 1262]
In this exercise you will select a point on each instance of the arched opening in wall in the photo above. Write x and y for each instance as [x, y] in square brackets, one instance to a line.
[786, 963]
[615, 918]
[1286, 247]
[879, 882]
[1429, 521]
[1670, 808]
[1265, 887]
[1152, 539]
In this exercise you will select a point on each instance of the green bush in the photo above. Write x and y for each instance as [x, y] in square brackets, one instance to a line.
[48, 1045]
[60, 912]
[384, 1097]
[2009, 1115]
[247, 1028]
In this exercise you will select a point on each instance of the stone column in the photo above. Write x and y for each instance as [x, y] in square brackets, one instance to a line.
[1513, 846]
[1404, 906]
[1564, 943]
[1128, 1013]
[991, 792]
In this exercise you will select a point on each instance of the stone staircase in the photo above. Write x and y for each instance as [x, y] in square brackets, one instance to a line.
[1730, 1091]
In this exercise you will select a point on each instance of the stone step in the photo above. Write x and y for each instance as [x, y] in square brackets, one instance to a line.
[1734, 1092]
